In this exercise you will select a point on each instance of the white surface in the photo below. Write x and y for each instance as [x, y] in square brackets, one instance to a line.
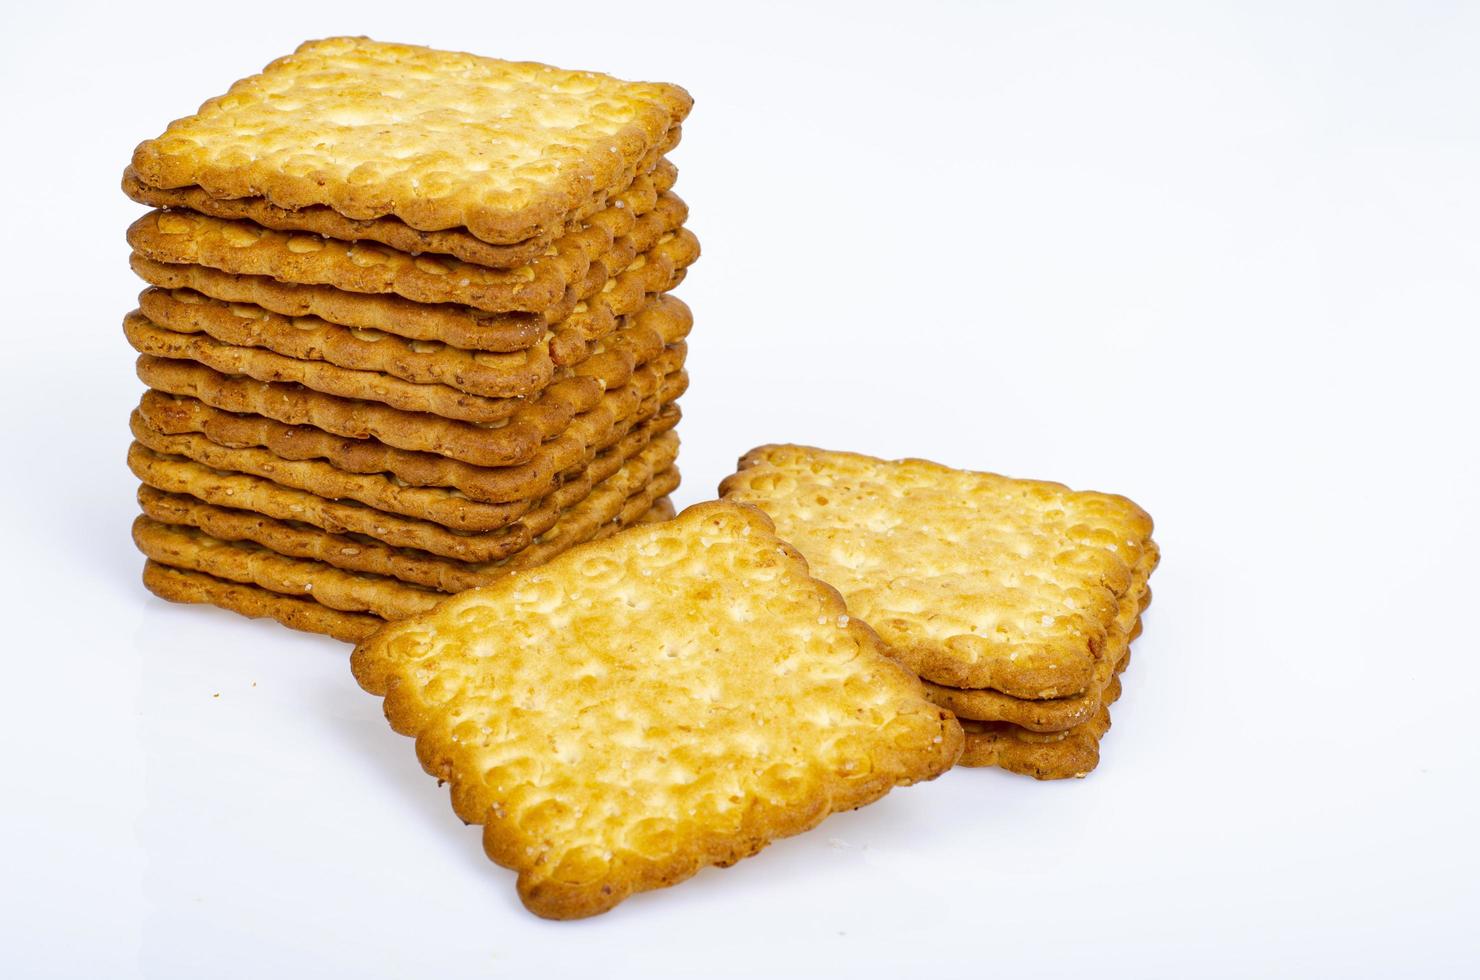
[1221, 259]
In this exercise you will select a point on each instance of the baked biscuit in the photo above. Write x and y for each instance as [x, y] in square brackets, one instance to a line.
[181, 585]
[438, 139]
[246, 562]
[625, 492]
[1051, 755]
[523, 522]
[588, 434]
[505, 442]
[1060, 714]
[973, 580]
[244, 248]
[492, 375]
[584, 312]
[613, 220]
[585, 712]
[610, 365]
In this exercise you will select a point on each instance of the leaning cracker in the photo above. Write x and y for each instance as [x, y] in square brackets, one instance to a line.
[523, 523]
[180, 585]
[973, 580]
[655, 175]
[629, 489]
[638, 270]
[438, 139]
[584, 711]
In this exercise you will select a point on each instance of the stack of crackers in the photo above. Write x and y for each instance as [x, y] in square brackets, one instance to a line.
[408, 328]
[1015, 601]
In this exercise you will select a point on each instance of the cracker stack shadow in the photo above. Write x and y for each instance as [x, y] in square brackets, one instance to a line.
[407, 327]
[1015, 601]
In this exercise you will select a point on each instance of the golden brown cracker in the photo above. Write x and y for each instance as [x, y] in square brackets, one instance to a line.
[510, 442]
[244, 248]
[522, 524]
[613, 220]
[181, 585]
[437, 139]
[492, 375]
[286, 445]
[630, 490]
[974, 580]
[1060, 714]
[610, 364]
[584, 711]
[450, 509]
[639, 271]
[1055, 755]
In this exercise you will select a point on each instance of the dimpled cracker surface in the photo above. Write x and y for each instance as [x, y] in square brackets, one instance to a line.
[438, 139]
[656, 176]
[972, 579]
[675, 697]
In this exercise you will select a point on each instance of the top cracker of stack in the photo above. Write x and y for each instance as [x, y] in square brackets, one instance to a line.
[357, 139]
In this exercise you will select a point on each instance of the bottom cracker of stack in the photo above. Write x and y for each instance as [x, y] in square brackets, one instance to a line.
[600, 515]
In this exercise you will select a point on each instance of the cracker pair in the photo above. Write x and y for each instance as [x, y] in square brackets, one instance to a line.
[1015, 601]
[407, 328]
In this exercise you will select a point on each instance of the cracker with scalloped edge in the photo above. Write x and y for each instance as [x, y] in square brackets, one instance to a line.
[181, 585]
[1071, 754]
[612, 721]
[438, 139]
[489, 374]
[245, 561]
[505, 442]
[631, 485]
[244, 248]
[641, 266]
[610, 364]
[974, 580]
[613, 218]
[1060, 714]
[237, 443]
[522, 525]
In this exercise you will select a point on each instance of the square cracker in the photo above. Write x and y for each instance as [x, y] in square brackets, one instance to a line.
[974, 580]
[675, 697]
[438, 139]
[183, 585]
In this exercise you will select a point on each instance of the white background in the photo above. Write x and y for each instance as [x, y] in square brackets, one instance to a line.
[1222, 259]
